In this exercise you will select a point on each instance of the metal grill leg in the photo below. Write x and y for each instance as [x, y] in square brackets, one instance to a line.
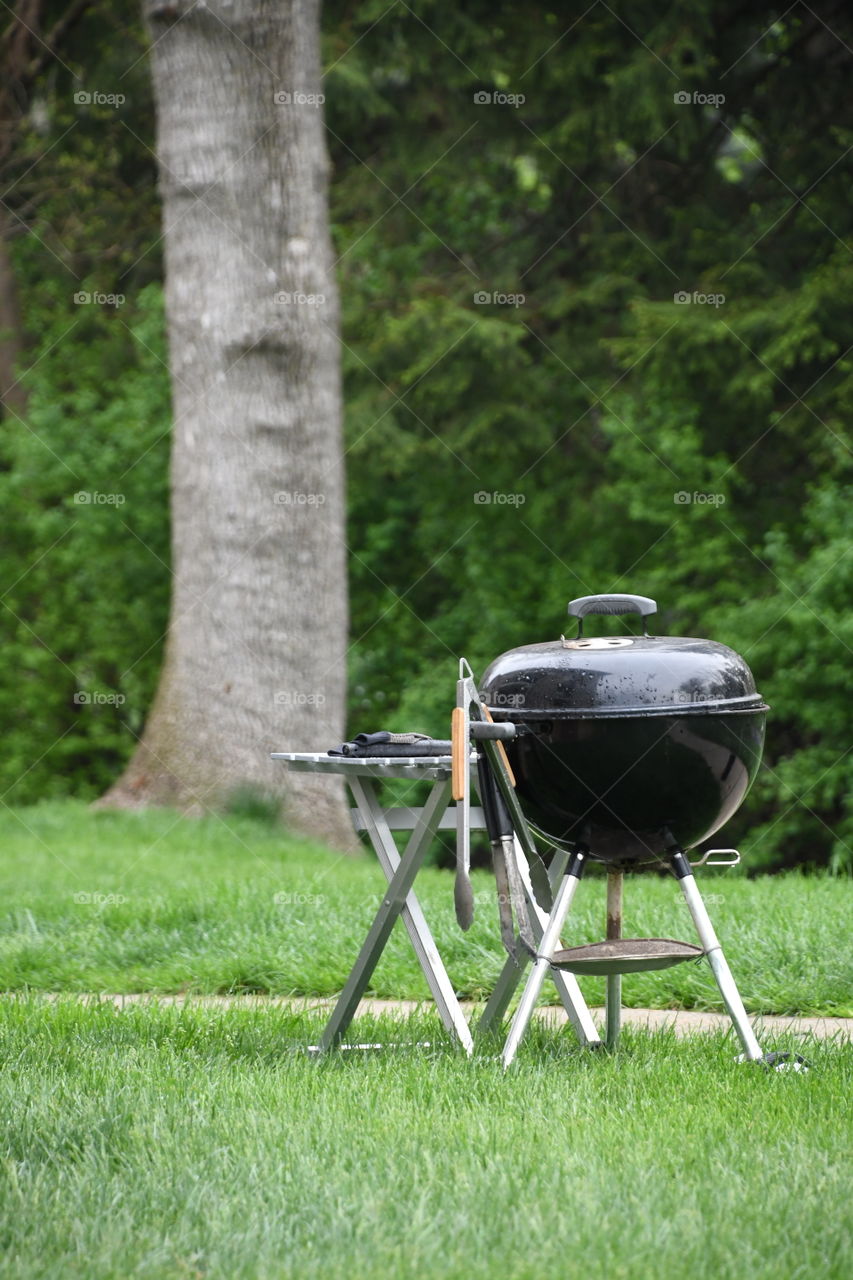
[550, 938]
[566, 983]
[613, 999]
[716, 959]
[513, 969]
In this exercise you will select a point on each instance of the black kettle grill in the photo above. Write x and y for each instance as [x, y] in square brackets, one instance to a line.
[628, 745]
[626, 750]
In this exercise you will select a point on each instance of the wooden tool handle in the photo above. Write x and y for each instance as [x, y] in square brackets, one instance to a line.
[459, 754]
[500, 746]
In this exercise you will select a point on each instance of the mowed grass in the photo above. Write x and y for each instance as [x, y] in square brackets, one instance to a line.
[164, 1142]
[128, 902]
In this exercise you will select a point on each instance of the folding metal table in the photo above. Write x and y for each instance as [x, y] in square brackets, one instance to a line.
[400, 870]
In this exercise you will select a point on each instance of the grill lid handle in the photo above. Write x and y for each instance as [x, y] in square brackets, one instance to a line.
[585, 605]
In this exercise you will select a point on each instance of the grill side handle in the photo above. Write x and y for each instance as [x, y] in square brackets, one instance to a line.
[613, 604]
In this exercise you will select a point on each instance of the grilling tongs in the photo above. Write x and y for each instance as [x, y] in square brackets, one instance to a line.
[504, 819]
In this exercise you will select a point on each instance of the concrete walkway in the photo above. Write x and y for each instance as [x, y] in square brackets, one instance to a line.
[684, 1022]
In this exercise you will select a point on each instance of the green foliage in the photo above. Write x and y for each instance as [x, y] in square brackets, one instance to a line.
[83, 479]
[801, 634]
[585, 410]
[85, 559]
[583, 413]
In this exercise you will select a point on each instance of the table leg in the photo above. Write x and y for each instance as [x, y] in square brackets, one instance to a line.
[398, 900]
[373, 816]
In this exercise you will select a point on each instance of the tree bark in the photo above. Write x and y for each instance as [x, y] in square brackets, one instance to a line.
[255, 654]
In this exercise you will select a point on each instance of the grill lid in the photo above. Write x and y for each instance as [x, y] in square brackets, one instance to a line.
[618, 676]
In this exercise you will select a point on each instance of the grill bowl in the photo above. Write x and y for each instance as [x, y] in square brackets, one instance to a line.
[628, 745]
[631, 789]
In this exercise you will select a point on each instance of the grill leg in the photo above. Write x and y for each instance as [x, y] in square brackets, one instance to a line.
[513, 970]
[716, 959]
[549, 941]
[613, 999]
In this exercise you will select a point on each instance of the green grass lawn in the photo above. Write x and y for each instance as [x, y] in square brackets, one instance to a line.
[188, 1142]
[123, 902]
[173, 1142]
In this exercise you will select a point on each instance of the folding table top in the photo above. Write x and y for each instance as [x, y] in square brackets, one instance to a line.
[436, 768]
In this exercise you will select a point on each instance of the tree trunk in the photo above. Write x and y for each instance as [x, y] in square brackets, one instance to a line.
[255, 655]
